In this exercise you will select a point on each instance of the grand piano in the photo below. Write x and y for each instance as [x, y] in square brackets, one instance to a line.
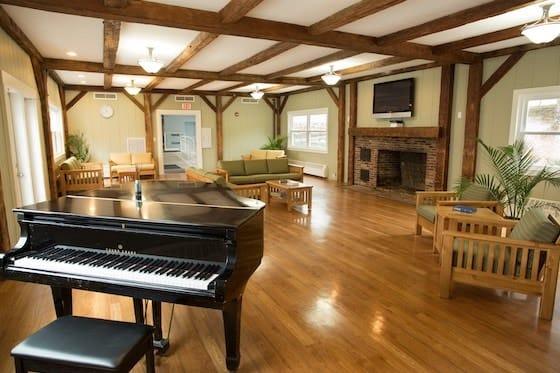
[178, 242]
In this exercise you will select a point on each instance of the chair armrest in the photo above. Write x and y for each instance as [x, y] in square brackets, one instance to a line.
[501, 240]
[296, 169]
[434, 197]
[468, 203]
[246, 157]
[222, 172]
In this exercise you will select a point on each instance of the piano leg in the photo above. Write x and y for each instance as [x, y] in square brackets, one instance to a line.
[62, 298]
[160, 344]
[138, 310]
[232, 325]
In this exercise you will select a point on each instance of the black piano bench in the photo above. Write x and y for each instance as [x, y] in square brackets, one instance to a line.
[79, 345]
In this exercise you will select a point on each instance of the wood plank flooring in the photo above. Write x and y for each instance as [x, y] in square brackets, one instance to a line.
[347, 288]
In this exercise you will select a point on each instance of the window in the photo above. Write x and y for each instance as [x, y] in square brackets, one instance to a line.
[308, 130]
[536, 119]
[57, 131]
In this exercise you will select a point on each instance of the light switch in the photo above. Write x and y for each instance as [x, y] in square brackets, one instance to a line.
[459, 114]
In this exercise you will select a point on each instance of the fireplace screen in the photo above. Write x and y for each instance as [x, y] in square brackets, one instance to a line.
[405, 170]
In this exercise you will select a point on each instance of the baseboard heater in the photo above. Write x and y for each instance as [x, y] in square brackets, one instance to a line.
[310, 168]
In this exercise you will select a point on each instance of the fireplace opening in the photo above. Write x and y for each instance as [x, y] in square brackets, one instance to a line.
[401, 170]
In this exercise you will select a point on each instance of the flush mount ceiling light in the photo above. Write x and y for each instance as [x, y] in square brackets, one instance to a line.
[331, 78]
[257, 94]
[132, 89]
[151, 64]
[544, 30]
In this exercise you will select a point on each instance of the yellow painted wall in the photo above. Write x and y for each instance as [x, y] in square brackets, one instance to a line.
[426, 105]
[315, 100]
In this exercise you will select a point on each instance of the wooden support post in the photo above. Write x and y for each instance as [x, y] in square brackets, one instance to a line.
[148, 122]
[444, 123]
[472, 119]
[4, 232]
[75, 100]
[500, 72]
[283, 102]
[40, 73]
[219, 128]
[341, 136]
[62, 95]
[352, 123]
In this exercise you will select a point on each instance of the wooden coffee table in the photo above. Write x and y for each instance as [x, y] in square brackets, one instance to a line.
[444, 213]
[291, 192]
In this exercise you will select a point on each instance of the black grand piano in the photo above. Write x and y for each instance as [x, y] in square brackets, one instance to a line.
[185, 243]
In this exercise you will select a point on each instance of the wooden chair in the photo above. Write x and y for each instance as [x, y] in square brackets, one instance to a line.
[427, 203]
[88, 176]
[482, 253]
[254, 191]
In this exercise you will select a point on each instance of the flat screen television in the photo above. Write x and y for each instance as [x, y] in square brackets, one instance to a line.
[393, 99]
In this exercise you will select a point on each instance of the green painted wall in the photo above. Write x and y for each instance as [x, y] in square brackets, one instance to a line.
[315, 100]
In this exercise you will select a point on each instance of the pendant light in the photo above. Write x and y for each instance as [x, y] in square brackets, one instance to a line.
[544, 30]
[132, 89]
[331, 78]
[257, 94]
[151, 64]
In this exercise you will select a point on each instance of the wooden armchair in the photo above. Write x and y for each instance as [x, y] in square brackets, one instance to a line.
[88, 176]
[482, 253]
[254, 191]
[427, 203]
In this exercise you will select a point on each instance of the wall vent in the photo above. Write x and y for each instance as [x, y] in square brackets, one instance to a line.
[105, 96]
[184, 98]
[248, 100]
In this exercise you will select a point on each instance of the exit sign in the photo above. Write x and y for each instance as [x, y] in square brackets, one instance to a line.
[186, 106]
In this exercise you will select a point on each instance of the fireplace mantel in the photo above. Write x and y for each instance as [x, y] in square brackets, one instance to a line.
[417, 132]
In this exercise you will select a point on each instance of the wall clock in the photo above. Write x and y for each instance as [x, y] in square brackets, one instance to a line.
[106, 111]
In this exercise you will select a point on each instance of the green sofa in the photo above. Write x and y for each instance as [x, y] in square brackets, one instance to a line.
[257, 171]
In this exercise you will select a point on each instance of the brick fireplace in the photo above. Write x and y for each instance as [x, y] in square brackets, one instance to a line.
[395, 162]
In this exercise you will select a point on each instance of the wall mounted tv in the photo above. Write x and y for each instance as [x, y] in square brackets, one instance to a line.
[393, 99]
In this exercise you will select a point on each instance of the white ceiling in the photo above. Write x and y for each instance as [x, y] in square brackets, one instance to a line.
[294, 56]
[387, 68]
[55, 34]
[217, 85]
[360, 59]
[225, 51]
[407, 14]
[251, 87]
[177, 83]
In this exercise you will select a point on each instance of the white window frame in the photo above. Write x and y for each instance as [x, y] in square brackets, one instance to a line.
[58, 131]
[307, 113]
[521, 97]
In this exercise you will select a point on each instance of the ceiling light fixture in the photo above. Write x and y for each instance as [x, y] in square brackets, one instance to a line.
[331, 78]
[257, 94]
[132, 89]
[544, 30]
[151, 64]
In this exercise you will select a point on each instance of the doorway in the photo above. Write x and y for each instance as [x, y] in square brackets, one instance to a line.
[178, 140]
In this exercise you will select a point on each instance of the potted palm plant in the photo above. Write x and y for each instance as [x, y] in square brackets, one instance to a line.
[78, 147]
[515, 175]
[276, 143]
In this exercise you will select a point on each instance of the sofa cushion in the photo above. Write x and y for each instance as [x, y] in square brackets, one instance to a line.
[120, 158]
[278, 166]
[427, 211]
[255, 167]
[475, 192]
[258, 154]
[145, 166]
[122, 167]
[137, 158]
[233, 168]
[273, 154]
[535, 226]
[70, 164]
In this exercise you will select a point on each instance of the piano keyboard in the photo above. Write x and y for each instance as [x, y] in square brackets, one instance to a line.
[128, 267]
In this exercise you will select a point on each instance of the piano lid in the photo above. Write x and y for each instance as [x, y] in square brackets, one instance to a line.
[175, 202]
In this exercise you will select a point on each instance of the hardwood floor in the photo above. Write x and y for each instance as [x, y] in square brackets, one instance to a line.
[347, 288]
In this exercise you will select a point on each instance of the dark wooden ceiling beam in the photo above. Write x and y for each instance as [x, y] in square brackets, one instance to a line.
[238, 85]
[75, 100]
[336, 56]
[502, 70]
[456, 19]
[111, 36]
[196, 85]
[95, 67]
[237, 9]
[260, 57]
[350, 14]
[201, 20]
[13, 30]
[196, 92]
[365, 67]
[115, 3]
[519, 48]
[474, 41]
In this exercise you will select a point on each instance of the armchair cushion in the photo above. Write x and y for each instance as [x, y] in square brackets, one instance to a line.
[255, 167]
[71, 163]
[535, 226]
[145, 166]
[475, 192]
[233, 168]
[278, 166]
[120, 158]
[427, 211]
[138, 158]
[258, 154]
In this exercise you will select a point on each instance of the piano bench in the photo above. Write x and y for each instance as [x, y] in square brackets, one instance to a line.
[79, 345]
